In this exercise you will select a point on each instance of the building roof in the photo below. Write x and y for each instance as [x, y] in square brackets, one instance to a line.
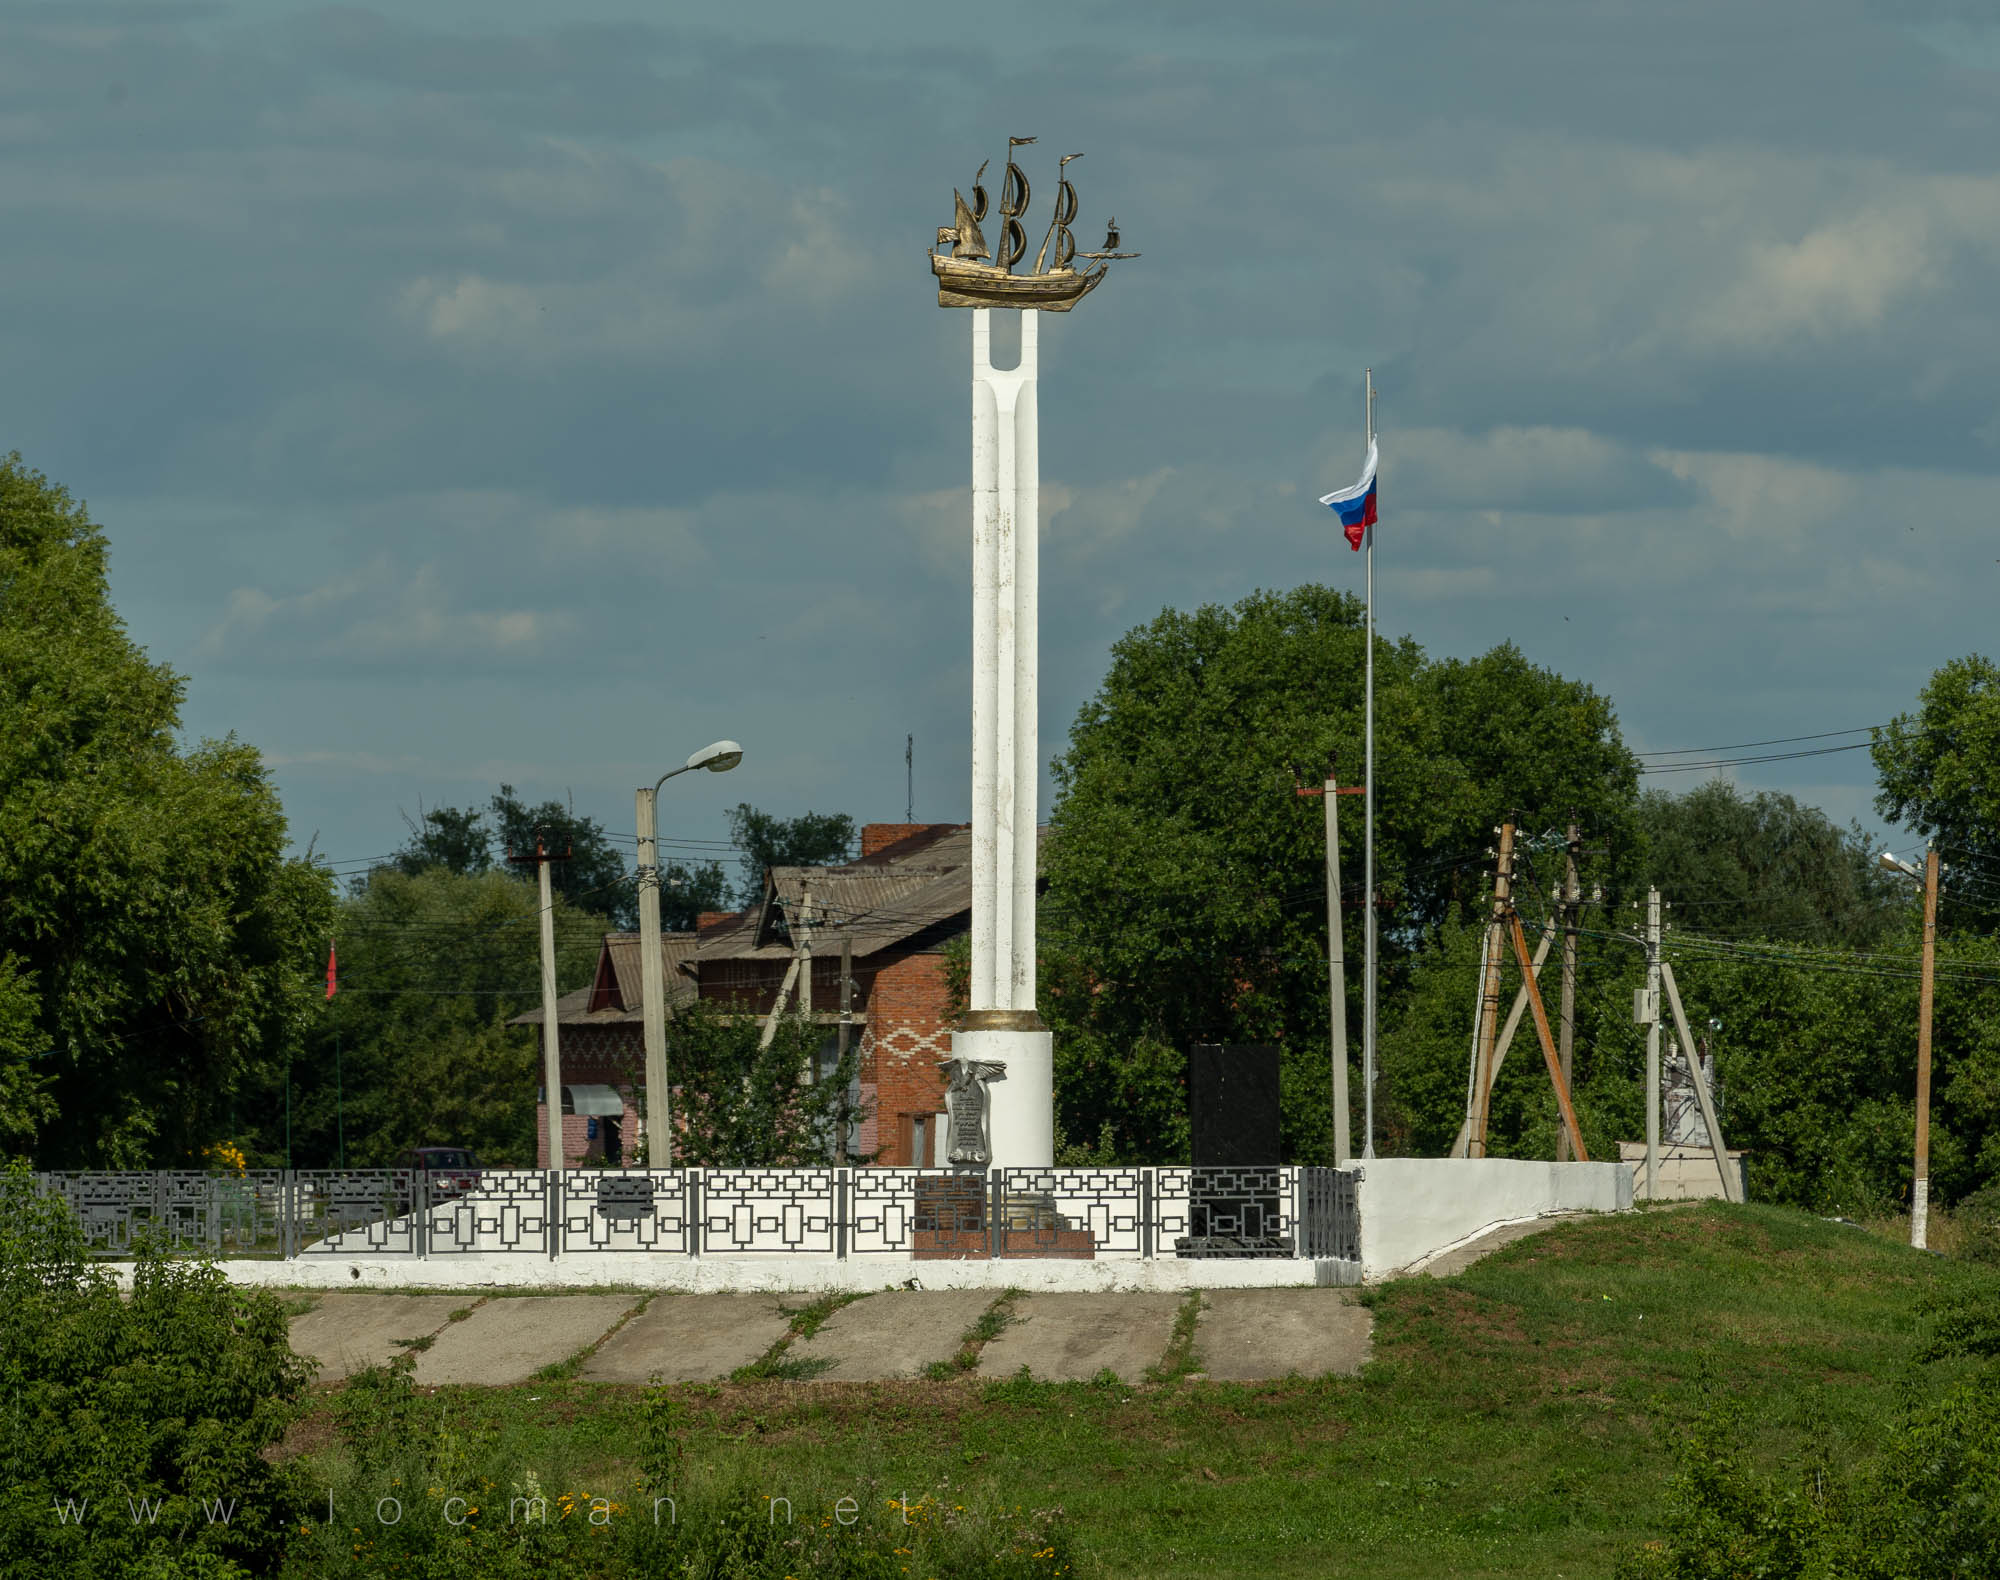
[920, 882]
[613, 997]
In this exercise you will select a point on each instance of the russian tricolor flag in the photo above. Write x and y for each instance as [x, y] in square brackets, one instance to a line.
[1356, 506]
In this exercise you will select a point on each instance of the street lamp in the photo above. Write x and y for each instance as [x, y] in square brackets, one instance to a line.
[1920, 1192]
[717, 758]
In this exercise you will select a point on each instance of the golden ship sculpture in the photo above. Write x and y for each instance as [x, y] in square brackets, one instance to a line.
[971, 276]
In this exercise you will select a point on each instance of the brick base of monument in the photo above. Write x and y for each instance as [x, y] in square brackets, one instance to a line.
[972, 1245]
[951, 1224]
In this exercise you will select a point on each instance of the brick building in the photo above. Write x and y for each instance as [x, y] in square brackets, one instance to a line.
[898, 905]
[604, 1053]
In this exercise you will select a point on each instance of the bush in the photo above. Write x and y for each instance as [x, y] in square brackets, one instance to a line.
[1978, 1220]
[133, 1430]
[1926, 1505]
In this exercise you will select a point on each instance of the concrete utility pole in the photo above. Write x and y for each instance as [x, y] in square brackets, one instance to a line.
[1920, 1194]
[718, 758]
[846, 1031]
[1732, 1184]
[1651, 1006]
[806, 950]
[1336, 967]
[653, 989]
[1489, 1024]
[1572, 906]
[551, 1052]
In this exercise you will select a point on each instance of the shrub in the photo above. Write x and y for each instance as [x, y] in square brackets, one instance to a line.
[132, 1430]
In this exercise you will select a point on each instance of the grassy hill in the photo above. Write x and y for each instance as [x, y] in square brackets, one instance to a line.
[1519, 1419]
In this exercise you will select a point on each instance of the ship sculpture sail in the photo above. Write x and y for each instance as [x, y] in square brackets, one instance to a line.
[971, 276]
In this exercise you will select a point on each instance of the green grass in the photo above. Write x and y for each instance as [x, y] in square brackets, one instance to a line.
[1516, 1420]
[992, 1322]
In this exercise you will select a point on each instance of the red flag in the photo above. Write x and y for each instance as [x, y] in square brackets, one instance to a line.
[329, 969]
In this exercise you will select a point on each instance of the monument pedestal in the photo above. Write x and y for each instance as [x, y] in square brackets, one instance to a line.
[1022, 1121]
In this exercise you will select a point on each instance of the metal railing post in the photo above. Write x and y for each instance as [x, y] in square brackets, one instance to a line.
[996, 1200]
[692, 1195]
[843, 1196]
[420, 1206]
[552, 1219]
[1146, 1230]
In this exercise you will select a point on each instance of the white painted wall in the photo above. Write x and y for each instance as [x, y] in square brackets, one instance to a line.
[1412, 1208]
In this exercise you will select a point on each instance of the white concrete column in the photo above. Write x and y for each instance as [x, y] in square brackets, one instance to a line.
[1001, 1025]
[985, 636]
[1026, 752]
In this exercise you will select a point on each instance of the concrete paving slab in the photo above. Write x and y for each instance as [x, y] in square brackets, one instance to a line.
[508, 1341]
[894, 1334]
[1250, 1335]
[689, 1338]
[1071, 1338]
[345, 1333]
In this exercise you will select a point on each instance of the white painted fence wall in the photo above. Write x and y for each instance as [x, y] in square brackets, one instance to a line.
[1412, 1208]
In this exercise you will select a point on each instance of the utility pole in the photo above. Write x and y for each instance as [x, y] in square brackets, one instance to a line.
[1651, 1006]
[1489, 1021]
[1572, 904]
[1336, 967]
[551, 1054]
[653, 990]
[806, 951]
[846, 1031]
[909, 778]
[1920, 1194]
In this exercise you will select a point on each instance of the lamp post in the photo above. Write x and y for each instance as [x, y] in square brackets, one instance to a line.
[717, 758]
[1920, 1189]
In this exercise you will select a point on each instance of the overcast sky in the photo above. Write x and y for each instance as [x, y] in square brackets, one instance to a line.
[496, 391]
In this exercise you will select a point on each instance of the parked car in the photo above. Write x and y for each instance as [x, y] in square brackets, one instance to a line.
[453, 1170]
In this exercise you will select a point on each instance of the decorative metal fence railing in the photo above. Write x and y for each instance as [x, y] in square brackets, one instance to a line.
[889, 1213]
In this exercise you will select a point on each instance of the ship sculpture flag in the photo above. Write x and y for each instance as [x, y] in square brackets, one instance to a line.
[971, 276]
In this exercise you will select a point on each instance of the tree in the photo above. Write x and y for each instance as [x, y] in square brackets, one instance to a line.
[159, 947]
[1765, 866]
[592, 876]
[745, 1103]
[415, 1048]
[454, 838]
[812, 839]
[1938, 769]
[687, 892]
[1186, 881]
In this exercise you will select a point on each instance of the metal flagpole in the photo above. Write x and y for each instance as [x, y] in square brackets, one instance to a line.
[1368, 807]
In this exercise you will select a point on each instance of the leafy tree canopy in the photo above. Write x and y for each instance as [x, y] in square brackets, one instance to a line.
[1765, 866]
[415, 1049]
[1939, 769]
[1186, 879]
[467, 841]
[812, 839]
[157, 949]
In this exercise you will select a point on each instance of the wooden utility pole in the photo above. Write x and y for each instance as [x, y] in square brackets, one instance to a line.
[1506, 1039]
[1920, 1194]
[1571, 907]
[1542, 1031]
[551, 1052]
[1489, 1027]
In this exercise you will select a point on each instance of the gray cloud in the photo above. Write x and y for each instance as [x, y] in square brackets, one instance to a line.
[470, 390]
